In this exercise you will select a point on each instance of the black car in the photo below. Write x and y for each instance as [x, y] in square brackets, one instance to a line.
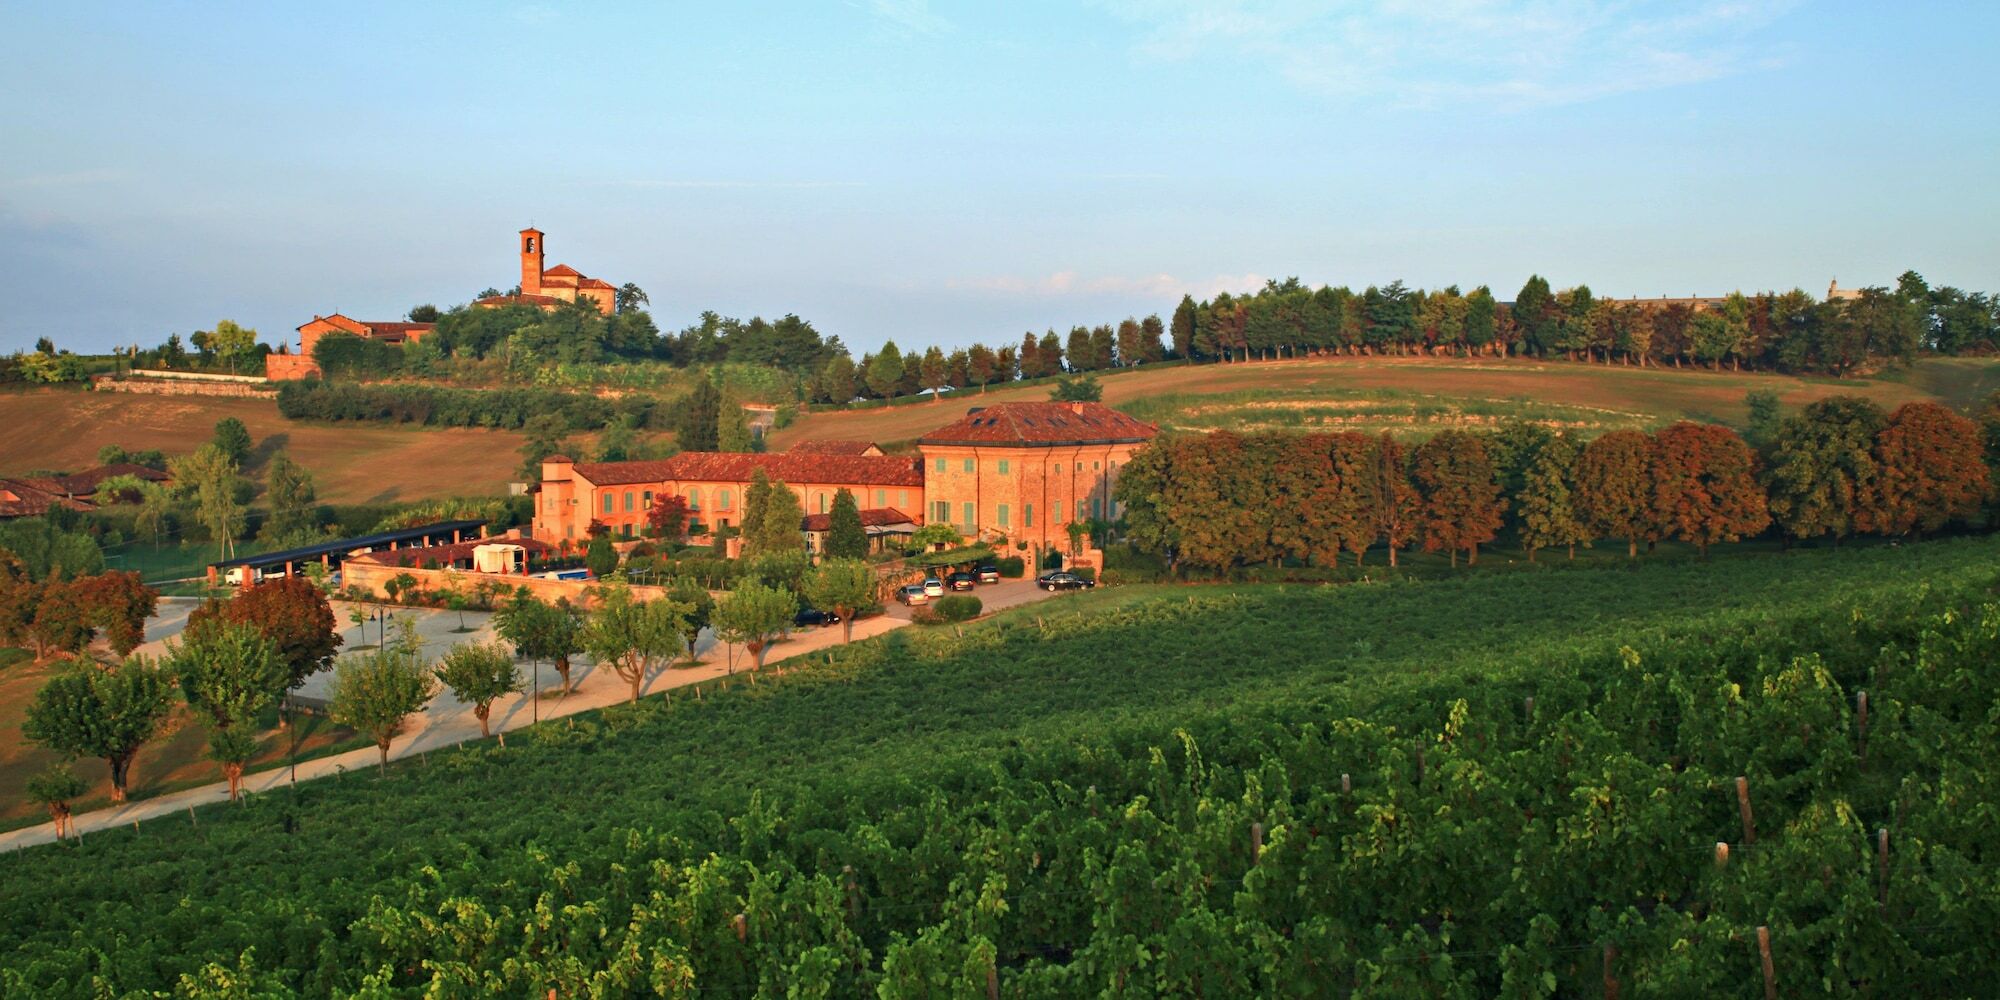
[814, 617]
[989, 574]
[1063, 581]
[961, 581]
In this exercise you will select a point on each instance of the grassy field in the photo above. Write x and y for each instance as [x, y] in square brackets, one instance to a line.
[177, 760]
[1422, 394]
[351, 463]
[908, 722]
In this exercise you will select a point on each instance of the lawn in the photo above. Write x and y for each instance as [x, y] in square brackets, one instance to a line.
[1397, 390]
[44, 429]
[175, 761]
[660, 821]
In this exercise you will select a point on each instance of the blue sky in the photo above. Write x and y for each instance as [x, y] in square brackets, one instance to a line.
[951, 172]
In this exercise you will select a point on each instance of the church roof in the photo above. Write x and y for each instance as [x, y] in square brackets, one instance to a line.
[519, 300]
[562, 271]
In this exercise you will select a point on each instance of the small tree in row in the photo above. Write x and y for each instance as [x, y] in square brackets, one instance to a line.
[479, 674]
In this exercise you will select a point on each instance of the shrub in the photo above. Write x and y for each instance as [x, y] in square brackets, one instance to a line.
[958, 607]
[1011, 567]
[925, 614]
[1084, 572]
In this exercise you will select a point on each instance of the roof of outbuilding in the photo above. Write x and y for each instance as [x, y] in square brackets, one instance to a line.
[86, 482]
[1042, 424]
[741, 467]
[873, 517]
[20, 498]
[519, 299]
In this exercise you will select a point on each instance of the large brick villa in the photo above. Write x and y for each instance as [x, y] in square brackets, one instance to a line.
[1021, 472]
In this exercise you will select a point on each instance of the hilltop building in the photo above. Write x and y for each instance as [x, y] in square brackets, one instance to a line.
[1698, 303]
[1018, 472]
[286, 365]
[549, 287]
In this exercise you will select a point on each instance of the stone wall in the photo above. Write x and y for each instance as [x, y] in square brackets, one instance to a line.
[370, 576]
[178, 387]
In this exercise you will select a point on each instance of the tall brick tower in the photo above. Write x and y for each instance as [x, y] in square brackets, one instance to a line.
[531, 261]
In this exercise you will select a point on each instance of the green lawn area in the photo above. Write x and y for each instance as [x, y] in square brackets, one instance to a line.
[170, 562]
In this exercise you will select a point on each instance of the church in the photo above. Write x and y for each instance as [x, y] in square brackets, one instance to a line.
[549, 287]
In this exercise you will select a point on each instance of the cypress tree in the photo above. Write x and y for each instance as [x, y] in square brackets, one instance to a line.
[846, 539]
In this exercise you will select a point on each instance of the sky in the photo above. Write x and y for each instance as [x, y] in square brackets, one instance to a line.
[945, 173]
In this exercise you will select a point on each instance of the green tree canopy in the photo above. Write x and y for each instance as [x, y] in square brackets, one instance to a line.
[374, 693]
[88, 711]
[631, 636]
[479, 673]
[844, 587]
[755, 616]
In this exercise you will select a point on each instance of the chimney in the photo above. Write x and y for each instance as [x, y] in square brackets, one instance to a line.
[1076, 408]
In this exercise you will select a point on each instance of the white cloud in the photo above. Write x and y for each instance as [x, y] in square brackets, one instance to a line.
[1503, 54]
[1072, 283]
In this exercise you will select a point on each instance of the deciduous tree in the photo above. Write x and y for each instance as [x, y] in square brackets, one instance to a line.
[1822, 466]
[1461, 504]
[478, 674]
[1547, 500]
[374, 693]
[1613, 494]
[633, 637]
[118, 604]
[844, 587]
[755, 616]
[1393, 502]
[54, 789]
[1930, 470]
[291, 614]
[88, 711]
[1705, 485]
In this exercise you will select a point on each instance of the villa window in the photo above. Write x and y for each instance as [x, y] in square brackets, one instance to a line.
[940, 511]
[1003, 466]
[968, 465]
[1000, 516]
[939, 466]
[1079, 510]
[902, 499]
[1096, 507]
[1028, 516]
[722, 500]
[628, 501]
[822, 501]
[881, 498]
[694, 498]
[646, 499]
[969, 520]
[1093, 466]
[607, 501]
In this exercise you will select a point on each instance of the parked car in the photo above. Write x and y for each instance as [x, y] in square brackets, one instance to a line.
[933, 587]
[236, 574]
[814, 617]
[989, 574]
[912, 595]
[1060, 580]
[962, 581]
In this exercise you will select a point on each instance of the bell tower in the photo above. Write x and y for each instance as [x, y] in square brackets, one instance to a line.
[531, 261]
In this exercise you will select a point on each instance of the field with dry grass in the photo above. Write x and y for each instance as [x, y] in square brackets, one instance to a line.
[1423, 395]
[351, 463]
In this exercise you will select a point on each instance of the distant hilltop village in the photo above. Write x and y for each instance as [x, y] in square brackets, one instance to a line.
[541, 287]
[1834, 293]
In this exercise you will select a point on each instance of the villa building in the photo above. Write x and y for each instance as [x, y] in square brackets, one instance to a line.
[1026, 471]
[1018, 472]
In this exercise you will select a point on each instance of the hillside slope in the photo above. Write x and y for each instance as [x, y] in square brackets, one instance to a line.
[1020, 794]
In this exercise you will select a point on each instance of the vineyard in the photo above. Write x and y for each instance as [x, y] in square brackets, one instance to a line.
[1758, 774]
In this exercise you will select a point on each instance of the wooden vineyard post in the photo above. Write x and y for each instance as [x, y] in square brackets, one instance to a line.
[1528, 706]
[1256, 842]
[1721, 854]
[1882, 863]
[1346, 784]
[853, 892]
[742, 925]
[1764, 956]
[1743, 806]
[1861, 720]
[1610, 979]
[1421, 768]
[992, 981]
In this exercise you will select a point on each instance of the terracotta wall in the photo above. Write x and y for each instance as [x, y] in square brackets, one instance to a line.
[370, 575]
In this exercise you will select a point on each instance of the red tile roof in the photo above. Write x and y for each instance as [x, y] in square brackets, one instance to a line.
[1043, 424]
[834, 448]
[595, 283]
[562, 271]
[741, 467]
[873, 517]
[83, 484]
[20, 498]
[397, 331]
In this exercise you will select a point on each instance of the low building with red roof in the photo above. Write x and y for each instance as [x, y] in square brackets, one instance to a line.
[882, 525]
[285, 365]
[572, 494]
[550, 287]
[22, 498]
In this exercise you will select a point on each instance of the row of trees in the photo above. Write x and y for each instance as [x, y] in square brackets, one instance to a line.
[890, 372]
[1839, 468]
[1788, 331]
[55, 614]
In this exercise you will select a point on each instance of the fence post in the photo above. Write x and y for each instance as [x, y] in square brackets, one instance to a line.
[1610, 980]
[1861, 719]
[1882, 862]
[1743, 806]
[1764, 954]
